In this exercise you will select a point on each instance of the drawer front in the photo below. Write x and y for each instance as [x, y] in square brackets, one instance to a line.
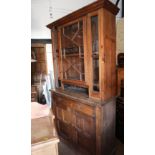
[67, 103]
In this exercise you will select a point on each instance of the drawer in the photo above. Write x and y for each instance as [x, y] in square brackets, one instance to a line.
[70, 104]
[85, 109]
[62, 102]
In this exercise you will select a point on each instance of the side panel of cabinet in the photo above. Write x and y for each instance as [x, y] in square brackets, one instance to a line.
[93, 42]
[109, 56]
[55, 52]
[108, 127]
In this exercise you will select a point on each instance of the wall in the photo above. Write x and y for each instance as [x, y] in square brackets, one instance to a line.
[120, 36]
[40, 14]
[41, 9]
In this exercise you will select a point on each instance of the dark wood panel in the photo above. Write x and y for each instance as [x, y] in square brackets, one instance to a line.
[86, 119]
[85, 124]
[64, 130]
[64, 103]
[40, 66]
[87, 143]
[94, 133]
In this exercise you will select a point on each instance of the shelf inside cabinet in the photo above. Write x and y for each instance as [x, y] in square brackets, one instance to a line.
[72, 55]
[76, 83]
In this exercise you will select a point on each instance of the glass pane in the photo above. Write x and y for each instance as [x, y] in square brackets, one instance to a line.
[72, 51]
[95, 52]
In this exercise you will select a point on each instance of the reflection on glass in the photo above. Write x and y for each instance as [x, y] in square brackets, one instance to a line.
[95, 52]
[72, 51]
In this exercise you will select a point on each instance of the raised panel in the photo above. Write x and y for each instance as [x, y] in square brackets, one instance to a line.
[64, 130]
[67, 116]
[86, 143]
[67, 131]
[89, 126]
[59, 113]
[86, 109]
[79, 122]
[85, 124]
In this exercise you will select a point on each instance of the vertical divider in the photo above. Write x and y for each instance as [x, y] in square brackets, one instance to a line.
[60, 56]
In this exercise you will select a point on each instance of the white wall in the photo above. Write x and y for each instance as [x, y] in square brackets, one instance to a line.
[40, 14]
[120, 35]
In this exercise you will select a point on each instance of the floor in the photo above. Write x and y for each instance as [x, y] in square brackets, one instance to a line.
[64, 149]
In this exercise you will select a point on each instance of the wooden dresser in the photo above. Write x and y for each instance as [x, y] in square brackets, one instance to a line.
[84, 57]
[87, 123]
[44, 139]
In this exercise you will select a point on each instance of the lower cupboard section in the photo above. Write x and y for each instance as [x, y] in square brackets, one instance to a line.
[77, 135]
[88, 127]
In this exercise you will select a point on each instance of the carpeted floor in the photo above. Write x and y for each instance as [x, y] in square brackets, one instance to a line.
[64, 149]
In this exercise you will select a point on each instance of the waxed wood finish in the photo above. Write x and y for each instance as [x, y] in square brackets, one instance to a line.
[108, 80]
[107, 54]
[86, 120]
[91, 126]
[54, 35]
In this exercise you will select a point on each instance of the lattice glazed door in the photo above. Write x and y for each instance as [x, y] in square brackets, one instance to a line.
[72, 51]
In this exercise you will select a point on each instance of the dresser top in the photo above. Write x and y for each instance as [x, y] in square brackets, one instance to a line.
[80, 97]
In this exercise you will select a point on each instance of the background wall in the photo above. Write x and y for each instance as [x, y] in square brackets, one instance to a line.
[120, 36]
[44, 12]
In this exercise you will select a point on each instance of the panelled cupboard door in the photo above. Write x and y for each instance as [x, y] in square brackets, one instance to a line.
[81, 131]
[75, 122]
